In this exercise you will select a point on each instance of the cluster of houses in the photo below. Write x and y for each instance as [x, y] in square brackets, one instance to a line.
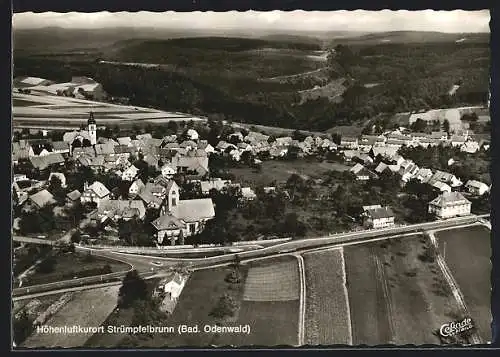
[177, 218]
[263, 145]
[450, 202]
[190, 156]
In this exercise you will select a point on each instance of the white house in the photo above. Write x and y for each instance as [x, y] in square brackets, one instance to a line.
[130, 173]
[450, 204]
[349, 142]
[476, 187]
[470, 147]
[424, 175]
[95, 193]
[447, 178]
[174, 287]
[136, 187]
[379, 217]
[20, 177]
[441, 186]
[192, 134]
[168, 171]
[248, 194]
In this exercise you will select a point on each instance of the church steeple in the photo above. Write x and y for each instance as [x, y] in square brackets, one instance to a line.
[92, 129]
[91, 118]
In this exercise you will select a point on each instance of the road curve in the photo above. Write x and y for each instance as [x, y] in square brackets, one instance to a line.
[144, 265]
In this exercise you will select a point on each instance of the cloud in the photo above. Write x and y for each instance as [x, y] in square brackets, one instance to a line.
[358, 20]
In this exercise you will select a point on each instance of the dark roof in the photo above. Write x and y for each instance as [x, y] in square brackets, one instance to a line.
[378, 213]
[43, 162]
[168, 221]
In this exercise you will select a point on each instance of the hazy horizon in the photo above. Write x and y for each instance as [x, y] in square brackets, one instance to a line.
[457, 21]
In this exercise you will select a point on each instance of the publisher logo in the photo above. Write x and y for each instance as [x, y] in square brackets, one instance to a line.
[456, 327]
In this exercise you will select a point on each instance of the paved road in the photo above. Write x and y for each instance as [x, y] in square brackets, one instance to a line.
[148, 264]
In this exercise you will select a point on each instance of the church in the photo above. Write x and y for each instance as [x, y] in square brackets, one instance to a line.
[82, 138]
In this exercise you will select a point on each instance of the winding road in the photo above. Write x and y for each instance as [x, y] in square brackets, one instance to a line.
[145, 264]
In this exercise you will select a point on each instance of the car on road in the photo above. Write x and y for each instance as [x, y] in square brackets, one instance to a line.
[156, 263]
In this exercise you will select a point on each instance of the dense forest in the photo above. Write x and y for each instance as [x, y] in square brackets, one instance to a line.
[228, 76]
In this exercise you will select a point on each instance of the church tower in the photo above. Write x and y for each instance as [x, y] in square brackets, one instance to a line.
[92, 129]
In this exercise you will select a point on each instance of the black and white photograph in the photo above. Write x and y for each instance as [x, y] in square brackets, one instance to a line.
[250, 179]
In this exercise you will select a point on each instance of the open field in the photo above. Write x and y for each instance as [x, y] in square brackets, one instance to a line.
[273, 321]
[327, 311]
[467, 253]
[199, 297]
[395, 297]
[277, 282]
[87, 308]
[71, 265]
[278, 171]
[118, 317]
[58, 110]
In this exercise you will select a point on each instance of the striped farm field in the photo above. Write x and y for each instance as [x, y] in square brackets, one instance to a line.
[327, 306]
[396, 296]
[277, 282]
[51, 109]
[270, 304]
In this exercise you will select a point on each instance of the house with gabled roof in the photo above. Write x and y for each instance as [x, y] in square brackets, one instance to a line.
[441, 186]
[136, 187]
[450, 204]
[125, 140]
[105, 149]
[362, 173]
[213, 184]
[73, 196]
[60, 147]
[154, 195]
[476, 187]
[47, 162]
[379, 217]
[470, 147]
[424, 175]
[447, 178]
[130, 173]
[95, 193]
[349, 142]
[38, 200]
[116, 210]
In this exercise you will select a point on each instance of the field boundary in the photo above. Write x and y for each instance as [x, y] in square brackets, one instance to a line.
[476, 338]
[346, 293]
[302, 299]
[387, 294]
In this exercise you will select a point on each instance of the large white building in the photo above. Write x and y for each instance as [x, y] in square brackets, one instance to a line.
[379, 217]
[450, 204]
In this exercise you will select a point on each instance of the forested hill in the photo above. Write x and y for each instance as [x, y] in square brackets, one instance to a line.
[225, 76]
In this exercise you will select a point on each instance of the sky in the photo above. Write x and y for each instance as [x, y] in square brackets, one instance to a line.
[358, 20]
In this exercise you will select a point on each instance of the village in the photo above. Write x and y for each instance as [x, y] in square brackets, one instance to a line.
[107, 186]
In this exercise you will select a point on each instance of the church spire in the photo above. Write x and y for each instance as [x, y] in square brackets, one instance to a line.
[91, 118]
